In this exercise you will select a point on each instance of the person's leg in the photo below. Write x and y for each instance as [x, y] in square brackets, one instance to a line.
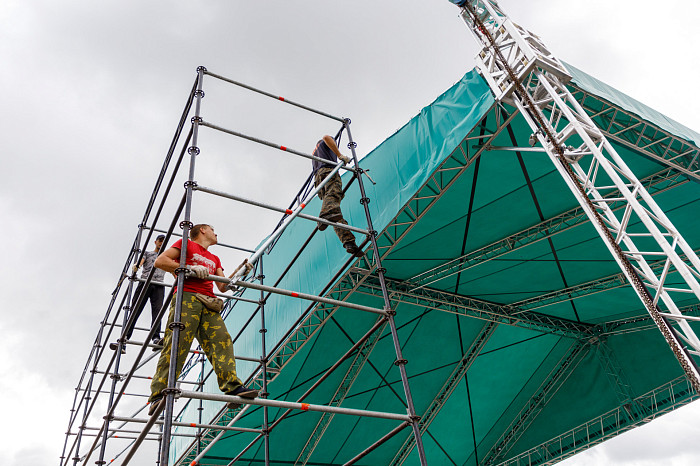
[190, 317]
[135, 310]
[157, 295]
[217, 345]
[332, 194]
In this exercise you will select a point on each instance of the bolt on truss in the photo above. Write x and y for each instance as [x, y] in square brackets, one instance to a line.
[269, 365]
[521, 71]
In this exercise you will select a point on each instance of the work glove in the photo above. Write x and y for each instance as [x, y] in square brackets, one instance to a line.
[344, 159]
[134, 268]
[248, 267]
[198, 270]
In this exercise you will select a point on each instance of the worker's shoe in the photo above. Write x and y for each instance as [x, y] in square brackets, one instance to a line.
[352, 248]
[114, 346]
[158, 342]
[154, 405]
[243, 392]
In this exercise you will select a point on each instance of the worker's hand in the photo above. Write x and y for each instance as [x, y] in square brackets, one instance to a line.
[134, 268]
[248, 267]
[198, 270]
[232, 285]
[344, 158]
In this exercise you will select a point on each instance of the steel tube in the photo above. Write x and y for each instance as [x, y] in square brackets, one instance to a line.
[188, 424]
[295, 294]
[281, 99]
[273, 145]
[220, 295]
[377, 444]
[152, 420]
[175, 332]
[151, 345]
[285, 223]
[400, 361]
[292, 405]
[223, 245]
[331, 369]
[280, 209]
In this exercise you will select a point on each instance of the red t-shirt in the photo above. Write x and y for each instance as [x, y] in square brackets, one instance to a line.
[197, 255]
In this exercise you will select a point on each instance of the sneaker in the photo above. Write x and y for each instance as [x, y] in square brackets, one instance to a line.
[154, 405]
[352, 248]
[243, 392]
[113, 347]
[321, 226]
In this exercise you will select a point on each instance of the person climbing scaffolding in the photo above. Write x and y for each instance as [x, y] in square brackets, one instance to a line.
[200, 315]
[332, 192]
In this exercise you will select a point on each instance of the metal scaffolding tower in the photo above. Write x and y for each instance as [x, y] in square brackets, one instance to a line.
[102, 369]
[522, 72]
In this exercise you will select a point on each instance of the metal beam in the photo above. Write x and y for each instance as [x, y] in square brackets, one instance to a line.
[647, 139]
[657, 402]
[618, 381]
[655, 184]
[348, 379]
[428, 298]
[536, 403]
[447, 389]
[583, 289]
[471, 147]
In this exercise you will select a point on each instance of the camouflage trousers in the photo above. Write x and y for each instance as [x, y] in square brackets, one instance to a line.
[210, 330]
[332, 194]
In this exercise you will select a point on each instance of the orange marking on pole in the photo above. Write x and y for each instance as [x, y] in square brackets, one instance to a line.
[305, 406]
[303, 205]
[281, 98]
[283, 148]
[192, 424]
[289, 211]
[295, 294]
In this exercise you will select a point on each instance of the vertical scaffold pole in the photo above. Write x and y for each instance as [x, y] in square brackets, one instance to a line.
[400, 361]
[120, 344]
[175, 326]
[263, 359]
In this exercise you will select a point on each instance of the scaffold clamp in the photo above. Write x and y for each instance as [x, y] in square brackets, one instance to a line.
[186, 223]
[179, 325]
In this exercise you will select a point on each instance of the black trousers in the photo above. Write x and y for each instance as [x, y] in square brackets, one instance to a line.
[155, 294]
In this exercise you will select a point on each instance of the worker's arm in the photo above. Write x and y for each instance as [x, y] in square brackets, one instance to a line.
[168, 260]
[221, 286]
[330, 142]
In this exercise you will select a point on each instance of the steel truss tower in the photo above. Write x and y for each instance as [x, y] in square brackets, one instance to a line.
[522, 72]
[102, 369]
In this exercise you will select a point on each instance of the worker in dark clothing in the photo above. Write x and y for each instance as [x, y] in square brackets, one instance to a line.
[332, 192]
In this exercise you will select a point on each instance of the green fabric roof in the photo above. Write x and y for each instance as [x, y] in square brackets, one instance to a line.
[538, 375]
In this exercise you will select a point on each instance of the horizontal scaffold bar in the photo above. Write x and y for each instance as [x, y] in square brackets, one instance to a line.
[342, 226]
[190, 424]
[151, 345]
[273, 145]
[276, 97]
[224, 245]
[225, 296]
[292, 405]
[294, 294]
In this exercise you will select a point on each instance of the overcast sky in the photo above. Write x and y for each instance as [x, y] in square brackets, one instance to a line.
[92, 92]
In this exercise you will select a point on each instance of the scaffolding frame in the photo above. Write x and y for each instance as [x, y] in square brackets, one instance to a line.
[86, 395]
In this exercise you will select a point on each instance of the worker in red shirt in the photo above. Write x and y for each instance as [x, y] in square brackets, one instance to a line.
[201, 316]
